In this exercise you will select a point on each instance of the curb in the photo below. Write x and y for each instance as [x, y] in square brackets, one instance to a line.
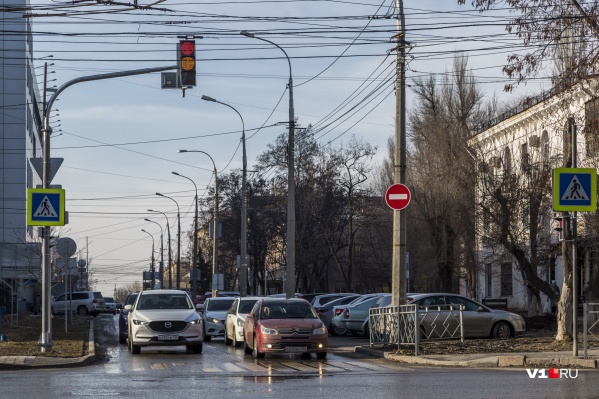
[489, 361]
[35, 362]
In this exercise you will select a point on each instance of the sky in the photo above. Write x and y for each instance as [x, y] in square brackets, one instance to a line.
[120, 137]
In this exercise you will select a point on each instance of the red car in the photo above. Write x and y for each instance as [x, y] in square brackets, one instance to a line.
[277, 325]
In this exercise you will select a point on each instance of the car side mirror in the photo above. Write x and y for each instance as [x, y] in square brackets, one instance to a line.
[480, 309]
[128, 308]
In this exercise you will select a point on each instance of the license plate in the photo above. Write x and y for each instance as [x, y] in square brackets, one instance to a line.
[168, 337]
[296, 349]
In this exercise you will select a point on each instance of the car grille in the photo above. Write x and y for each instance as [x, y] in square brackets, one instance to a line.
[167, 326]
[295, 330]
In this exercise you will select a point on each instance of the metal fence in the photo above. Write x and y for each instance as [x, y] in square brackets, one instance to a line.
[407, 325]
[590, 319]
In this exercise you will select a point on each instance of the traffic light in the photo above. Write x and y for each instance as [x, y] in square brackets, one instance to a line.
[560, 228]
[187, 62]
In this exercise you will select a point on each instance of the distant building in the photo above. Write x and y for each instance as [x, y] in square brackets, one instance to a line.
[20, 125]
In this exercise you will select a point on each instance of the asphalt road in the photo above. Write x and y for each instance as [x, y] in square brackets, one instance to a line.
[225, 372]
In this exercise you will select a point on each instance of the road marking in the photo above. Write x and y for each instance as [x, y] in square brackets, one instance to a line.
[178, 364]
[212, 370]
[112, 368]
[253, 366]
[329, 367]
[345, 366]
[233, 368]
[300, 366]
[368, 366]
[158, 366]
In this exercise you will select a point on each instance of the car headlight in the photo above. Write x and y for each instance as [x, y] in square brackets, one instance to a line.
[268, 331]
[240, 322]
[139, 322]
[319, 331]
[215, 321]
[194, 321]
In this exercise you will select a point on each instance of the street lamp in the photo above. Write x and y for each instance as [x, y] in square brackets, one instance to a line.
[290, 285]
[195, 240]
[215, 230]
[178, 240]
[243, 272]
[170, 261]
[161, 252]
[152, 264]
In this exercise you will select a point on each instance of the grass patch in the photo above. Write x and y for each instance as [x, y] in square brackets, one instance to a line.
[23, 339]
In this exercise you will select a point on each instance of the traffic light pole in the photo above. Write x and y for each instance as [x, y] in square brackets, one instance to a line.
[45, 341]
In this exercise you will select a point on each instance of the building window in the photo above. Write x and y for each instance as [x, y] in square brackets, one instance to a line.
[524, 161]
[489, 278]
[506, 279]
[591, 127]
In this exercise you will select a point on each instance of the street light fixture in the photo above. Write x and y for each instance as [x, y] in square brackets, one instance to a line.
[152, 264]
[290, 278]
[215, 229]
[195, 240]
[170, 260]
[243, 272]
[161, 253]
[178, 240]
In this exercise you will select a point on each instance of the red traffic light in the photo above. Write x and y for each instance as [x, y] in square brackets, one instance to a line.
[188, 47]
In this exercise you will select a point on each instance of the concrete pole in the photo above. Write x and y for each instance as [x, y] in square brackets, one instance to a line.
[399, 217]
[290, 272]
[574, 258]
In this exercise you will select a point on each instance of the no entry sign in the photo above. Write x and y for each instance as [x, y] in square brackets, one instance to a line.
[398, 196]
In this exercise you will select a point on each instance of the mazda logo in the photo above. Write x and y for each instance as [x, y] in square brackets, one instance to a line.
[168, 324]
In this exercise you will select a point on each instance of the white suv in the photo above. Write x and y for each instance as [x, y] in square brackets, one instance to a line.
[83, 302]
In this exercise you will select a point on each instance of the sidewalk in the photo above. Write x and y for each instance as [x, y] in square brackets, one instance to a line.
[30, 362]
[563, 359]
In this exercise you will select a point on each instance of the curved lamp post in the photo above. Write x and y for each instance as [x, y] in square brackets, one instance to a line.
[170, 260]
[178, 240]
[195, 239]
[215, 230]
[152, 264]
[290, 275]
[243, 272]
[161, 252]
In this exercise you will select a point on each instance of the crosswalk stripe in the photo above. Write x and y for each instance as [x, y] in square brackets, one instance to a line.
[345, 366]
[368, 366]
[158, 366]
[329, 367]
[178, 364]
[232, 367]
[253, 367]
[212, 369]
[300, 366]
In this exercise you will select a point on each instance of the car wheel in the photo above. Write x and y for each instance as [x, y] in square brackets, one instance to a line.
[246, 349]
[82, 311]
[198, 348]
[228, 341]
[502, 330]
[338, 331]
[122, 339]
[236, 343]
[321, 355]
[207, 338]
[357, 333]
[135, 349]
[255, 352]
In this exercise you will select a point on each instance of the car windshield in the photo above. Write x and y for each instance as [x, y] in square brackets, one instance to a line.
[288, 310]
[246, 305]
[219, 306]
[164, 301]
[131, 299]
[108, 299]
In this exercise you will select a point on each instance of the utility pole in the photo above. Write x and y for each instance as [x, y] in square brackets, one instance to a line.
[574, 259]
[398, 281]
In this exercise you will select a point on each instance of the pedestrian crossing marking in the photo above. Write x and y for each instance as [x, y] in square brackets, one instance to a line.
[575, 191]
[158, 366]
[232, 367]
[368, 366]
[300, 366]
[212, 369]
[178, 364]
[254, 367]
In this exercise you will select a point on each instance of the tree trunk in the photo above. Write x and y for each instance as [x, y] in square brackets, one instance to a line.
[564, 306]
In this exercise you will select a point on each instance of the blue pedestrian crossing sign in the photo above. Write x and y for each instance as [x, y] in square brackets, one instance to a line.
[45, 207]
[575, 189]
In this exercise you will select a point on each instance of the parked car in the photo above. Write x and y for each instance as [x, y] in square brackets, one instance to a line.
[336, 328]
[284, 326]
[236, 318]
[83, 302]
[123, 315]
[164, 317]
[110, 305]
[478, 320]
[325, 312]
[355, 318]
[321, 300]
[200, 299]
[309, 297]
[214, 315]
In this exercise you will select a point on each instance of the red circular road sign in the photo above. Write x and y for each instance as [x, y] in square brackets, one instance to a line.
[398, 196]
